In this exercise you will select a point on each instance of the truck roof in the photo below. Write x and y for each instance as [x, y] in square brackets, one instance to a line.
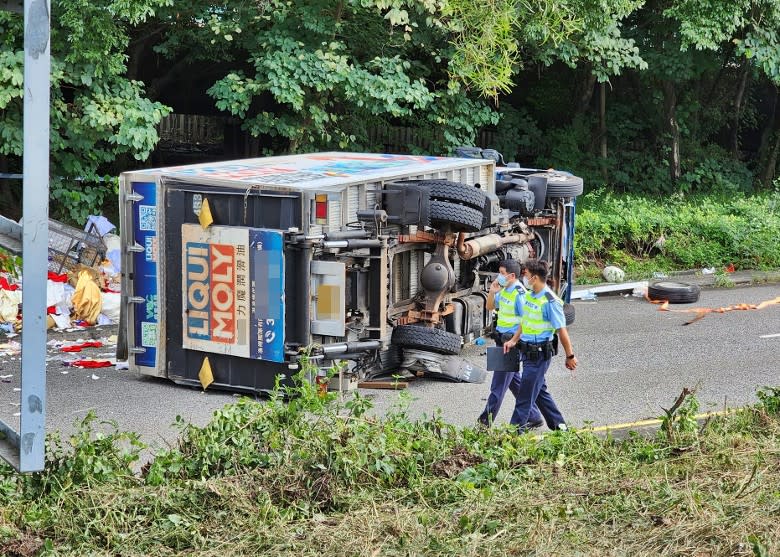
[315, 170]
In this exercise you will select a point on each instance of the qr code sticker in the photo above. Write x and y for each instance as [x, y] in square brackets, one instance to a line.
[148, 334]
[147, 217]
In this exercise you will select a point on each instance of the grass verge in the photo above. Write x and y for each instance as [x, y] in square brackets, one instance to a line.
[643, 234]
[314, 476]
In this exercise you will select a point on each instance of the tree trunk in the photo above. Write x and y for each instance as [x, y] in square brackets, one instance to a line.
[771, 163]
[603, 128]
[716, 83]
[137, 48]
[672, 128]
[738, 110]
[768, 129]
[587, 94]
[770, 166]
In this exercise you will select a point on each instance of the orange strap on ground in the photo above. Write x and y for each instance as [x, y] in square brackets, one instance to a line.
[701, 312]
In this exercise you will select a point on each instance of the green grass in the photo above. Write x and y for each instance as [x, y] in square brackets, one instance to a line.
[695, 232]
[319, 477]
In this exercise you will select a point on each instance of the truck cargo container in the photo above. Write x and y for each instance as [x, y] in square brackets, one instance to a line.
[357, 257]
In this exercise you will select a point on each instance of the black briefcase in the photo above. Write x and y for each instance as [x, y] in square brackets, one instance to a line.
[498, 361]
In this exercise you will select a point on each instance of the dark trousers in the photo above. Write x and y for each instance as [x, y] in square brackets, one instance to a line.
[533, 393]
[503, 380]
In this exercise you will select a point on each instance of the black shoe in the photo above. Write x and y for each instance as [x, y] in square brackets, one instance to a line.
[528, 426]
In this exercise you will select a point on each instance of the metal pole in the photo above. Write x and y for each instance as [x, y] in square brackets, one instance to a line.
[35, 240]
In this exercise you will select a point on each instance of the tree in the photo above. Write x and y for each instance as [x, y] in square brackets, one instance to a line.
[98, 116]
[753, 27]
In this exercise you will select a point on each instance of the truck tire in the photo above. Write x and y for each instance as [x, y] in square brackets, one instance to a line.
[568, 313]
[458, 217]
[561, 185]
[455, 192]
[673, 292]
[426, 338]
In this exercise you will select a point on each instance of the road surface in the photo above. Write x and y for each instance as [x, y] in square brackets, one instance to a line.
[634, 360]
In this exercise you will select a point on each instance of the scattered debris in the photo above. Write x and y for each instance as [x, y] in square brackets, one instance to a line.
[613, 274]
[393, 385]
[89, 364]
[83, 279]
[79, 346]
[585, 293]
[701, 312]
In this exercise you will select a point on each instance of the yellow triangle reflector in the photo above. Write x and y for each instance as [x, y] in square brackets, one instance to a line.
[205, 375]
[205, 217]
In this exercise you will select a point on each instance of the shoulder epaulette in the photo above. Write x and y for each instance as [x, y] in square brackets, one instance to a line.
[552, 297]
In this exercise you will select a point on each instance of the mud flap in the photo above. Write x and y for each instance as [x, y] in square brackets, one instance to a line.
[452, 368]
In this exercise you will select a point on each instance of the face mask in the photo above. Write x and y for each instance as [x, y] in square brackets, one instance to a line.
[526, 283]
[501, 280]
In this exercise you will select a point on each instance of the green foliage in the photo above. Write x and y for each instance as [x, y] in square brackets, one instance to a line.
[592, 36]
[516, 132]
[74, 201]
[10, 263]
[98, 116]
[319, 476]
[97, 453]
[673, 232]
[485, 44]
[770, 400]
[679, 425]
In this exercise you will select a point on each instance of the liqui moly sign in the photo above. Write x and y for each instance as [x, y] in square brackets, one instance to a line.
[233, 291]
[210, 272]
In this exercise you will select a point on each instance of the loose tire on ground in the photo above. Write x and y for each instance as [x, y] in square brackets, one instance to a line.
[561, 185]
[455, 192]
[674, 292]
[458, 217]
[426, 338]
[569, 313]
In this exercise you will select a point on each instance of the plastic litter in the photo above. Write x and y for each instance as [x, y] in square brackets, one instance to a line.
[589, 295]
[89, 363]
[480, 341]
[79, 347]
[659, 275]
[708, 271]
[613, 274]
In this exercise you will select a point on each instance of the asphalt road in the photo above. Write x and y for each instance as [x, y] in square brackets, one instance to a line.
[634, 360]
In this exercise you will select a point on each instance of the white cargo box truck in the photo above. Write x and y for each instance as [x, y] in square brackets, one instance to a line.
[367, 258]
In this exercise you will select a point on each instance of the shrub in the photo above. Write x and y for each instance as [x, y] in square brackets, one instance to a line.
[673, 232]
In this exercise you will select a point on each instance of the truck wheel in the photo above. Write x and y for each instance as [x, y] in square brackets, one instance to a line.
[426, 338]
[568, 313]
[561, 185]
[673, 292]
[455, 192]
[458, 217]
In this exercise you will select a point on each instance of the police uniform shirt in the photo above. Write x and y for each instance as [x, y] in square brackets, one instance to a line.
[552, 312]
[518, 304]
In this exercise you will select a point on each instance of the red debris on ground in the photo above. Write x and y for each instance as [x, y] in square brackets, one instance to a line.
[78, 347]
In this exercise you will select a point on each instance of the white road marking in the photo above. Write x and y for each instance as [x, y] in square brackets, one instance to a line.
[770, 336]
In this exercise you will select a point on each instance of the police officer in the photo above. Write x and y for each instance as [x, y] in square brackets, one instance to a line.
[542, 322]
[505, 295]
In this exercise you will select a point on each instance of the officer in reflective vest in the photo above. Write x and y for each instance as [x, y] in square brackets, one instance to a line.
[504, 296]
[542, 323]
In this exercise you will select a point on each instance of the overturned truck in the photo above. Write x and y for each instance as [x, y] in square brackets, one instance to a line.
[370, 259]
